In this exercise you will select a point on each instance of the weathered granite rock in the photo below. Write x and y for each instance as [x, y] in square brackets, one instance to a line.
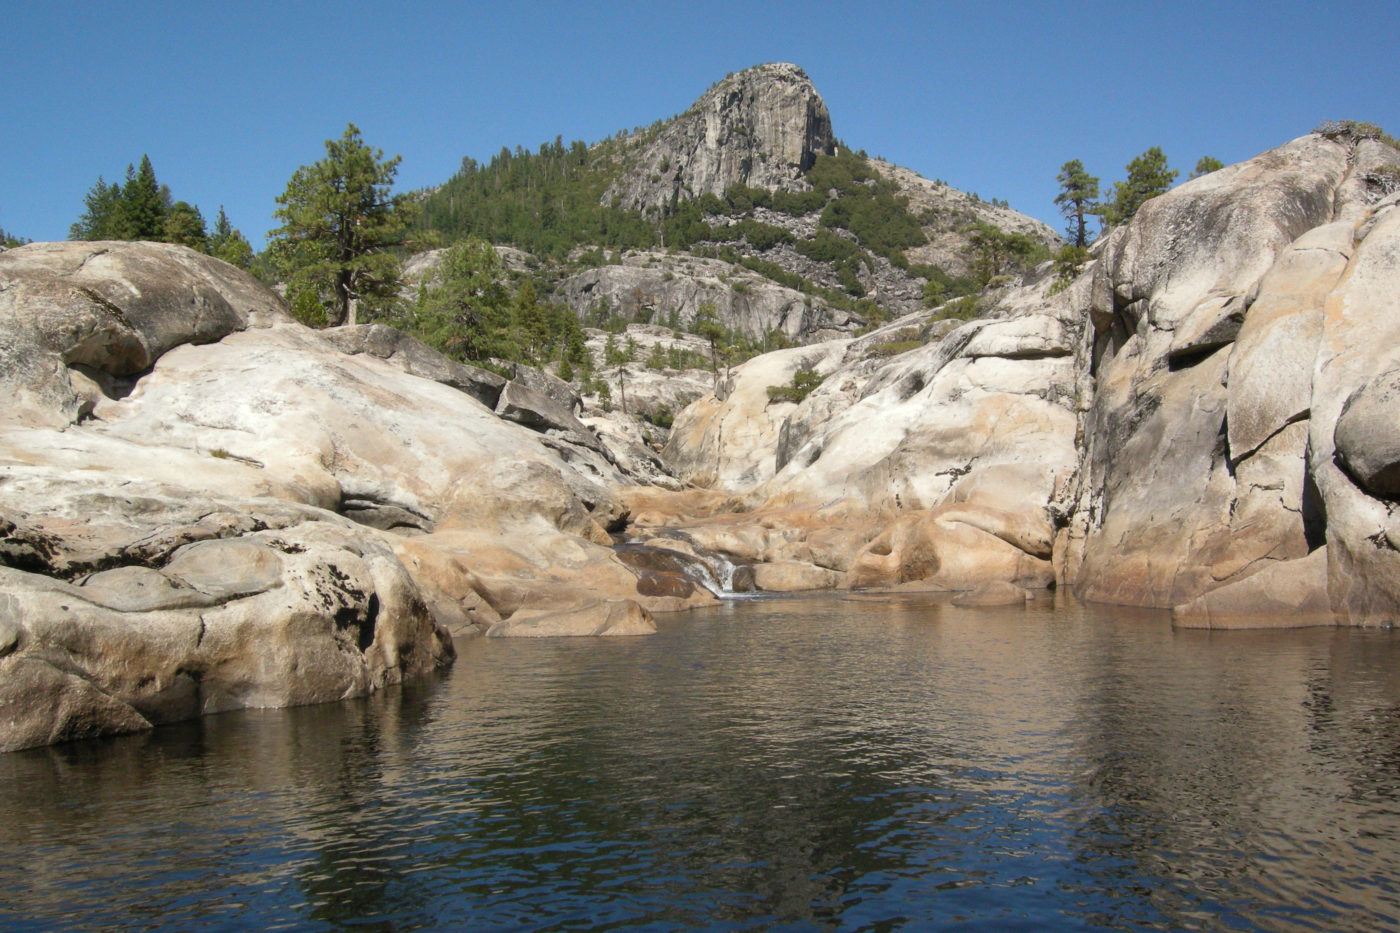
[1347, 451]
[598, 617]
[540, 412]
[1271, 365]
[794, 576]
[653, 394]
[655, 287]
[486, 578]
[731, 442]
[937, 467]
[109, 309]
[258, 517]
[630, 445]
[1198, 414]
[1170, 504]
[301, 613]
[1285, 594]
[761, 127]
[417, 359]
[1368, 436]
[996, 593]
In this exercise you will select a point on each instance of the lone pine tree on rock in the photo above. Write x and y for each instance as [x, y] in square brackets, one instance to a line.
[1078, 192]
[338, 220]
[1148, 176]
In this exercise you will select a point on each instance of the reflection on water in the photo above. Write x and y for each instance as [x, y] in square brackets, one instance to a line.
[809, 763]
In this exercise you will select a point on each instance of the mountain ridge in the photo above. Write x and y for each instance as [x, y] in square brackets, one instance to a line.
[751, 174]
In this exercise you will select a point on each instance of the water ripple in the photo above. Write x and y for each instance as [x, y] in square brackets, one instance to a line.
[796, 764]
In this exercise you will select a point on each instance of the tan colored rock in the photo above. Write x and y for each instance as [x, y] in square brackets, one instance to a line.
[945, 554]
[974, 432]
[1271, 363]
[485, 578]
[303, 613]
[1368, 436]
[731, 442]
[1370, 181]
[416, 358]
[220, 532]
[792, 576]
[1216, 236]
[996, 593]
[598, 617]
[1285, 594]
[42, 705]
[1165, 511]
[1361, 331]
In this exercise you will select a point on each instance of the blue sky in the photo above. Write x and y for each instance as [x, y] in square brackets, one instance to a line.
[991, 97]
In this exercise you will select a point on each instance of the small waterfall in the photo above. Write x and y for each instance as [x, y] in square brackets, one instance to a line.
[712, 570]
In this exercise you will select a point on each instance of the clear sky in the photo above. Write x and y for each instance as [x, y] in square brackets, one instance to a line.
[228, 99]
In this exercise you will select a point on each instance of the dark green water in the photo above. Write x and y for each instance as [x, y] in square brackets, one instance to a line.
[796, 764]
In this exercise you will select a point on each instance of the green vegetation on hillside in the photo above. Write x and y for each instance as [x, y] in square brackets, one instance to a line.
[343, 235]
[804, 382]
[545, 202]
[468, 311]
[549, 202]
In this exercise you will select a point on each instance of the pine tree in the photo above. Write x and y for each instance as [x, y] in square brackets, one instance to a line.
[707, 325]
[1078, 192]
[996, 252]
[143, 205]
[338, 221]
[466, 312]
[1148, 176]
[229, 244]
[184, 225]
[1206, 165]
[99, 218]
[532, 322]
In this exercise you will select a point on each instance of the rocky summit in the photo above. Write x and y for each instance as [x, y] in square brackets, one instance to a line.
[761, 128]
[744, 202]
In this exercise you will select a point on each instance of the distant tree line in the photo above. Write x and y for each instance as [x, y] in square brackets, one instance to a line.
[546, 202]
[140, 208]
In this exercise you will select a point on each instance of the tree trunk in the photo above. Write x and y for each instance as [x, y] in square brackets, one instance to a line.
[342, 299]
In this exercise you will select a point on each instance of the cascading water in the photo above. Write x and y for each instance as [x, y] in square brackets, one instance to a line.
[711, 570]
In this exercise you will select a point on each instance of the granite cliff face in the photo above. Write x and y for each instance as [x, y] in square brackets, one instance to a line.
[1199, 421]
[762, 127]
[653, 287]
